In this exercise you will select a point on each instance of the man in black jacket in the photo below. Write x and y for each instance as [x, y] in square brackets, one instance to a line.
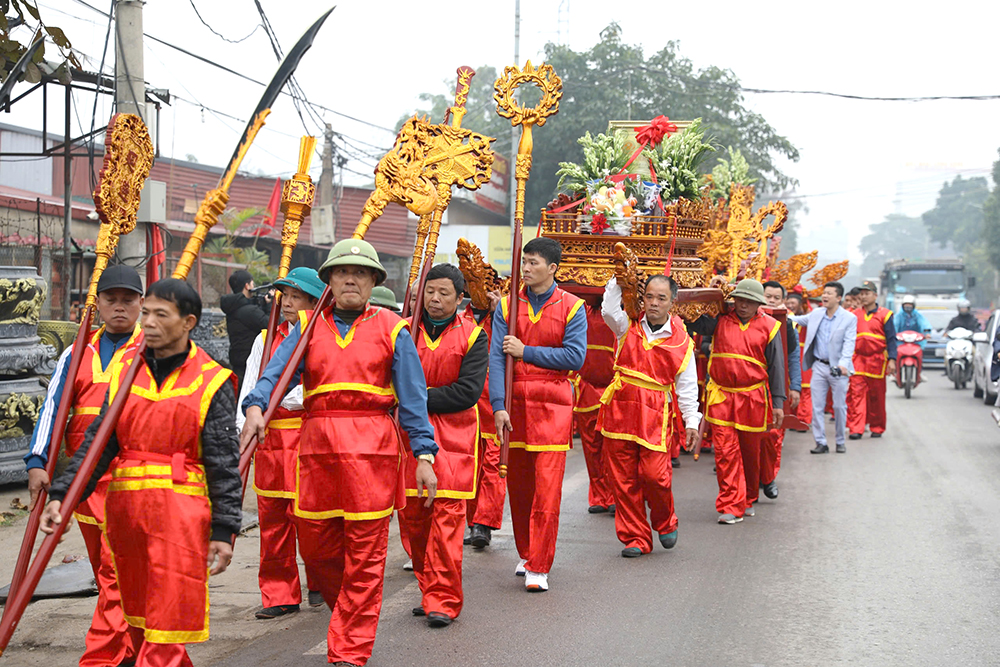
[244, 320]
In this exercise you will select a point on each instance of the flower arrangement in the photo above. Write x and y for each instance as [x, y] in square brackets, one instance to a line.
[676, 161]
[734, 170]
[611, 202]
[603, 155]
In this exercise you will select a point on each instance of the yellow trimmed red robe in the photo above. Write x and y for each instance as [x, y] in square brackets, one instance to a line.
[866, 392]
[590, 382]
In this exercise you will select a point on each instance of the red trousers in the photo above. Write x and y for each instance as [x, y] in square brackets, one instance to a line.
[279, 573]
[162, 655]
[640, 475]
[866, 404]
[737, 468]
[805, 408]
[535, 486]
[348, 560]
[435, 534]
[600, 492]
[110, 640]
[770, 454]
[487, 507]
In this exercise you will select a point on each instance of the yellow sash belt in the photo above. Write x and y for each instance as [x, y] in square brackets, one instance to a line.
[715, 392]
[620, 379]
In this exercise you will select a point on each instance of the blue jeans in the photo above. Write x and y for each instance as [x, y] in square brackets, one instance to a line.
[822, 382]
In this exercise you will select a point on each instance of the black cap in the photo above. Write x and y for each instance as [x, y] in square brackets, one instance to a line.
[119, 276]
[869, 285]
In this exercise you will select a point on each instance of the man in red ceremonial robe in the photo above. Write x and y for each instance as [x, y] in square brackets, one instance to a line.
[173, 503]
[484, 513]
[590, 383]
[274, 461]
[119, 299]
[796, 306]
[655, 386]
[551, 340]
[455, 354]
[874, 356]
[359, 365]
[746, 394]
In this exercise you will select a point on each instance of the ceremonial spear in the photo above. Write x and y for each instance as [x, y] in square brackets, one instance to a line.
[550, 86]
[207, 216]
[128, 157]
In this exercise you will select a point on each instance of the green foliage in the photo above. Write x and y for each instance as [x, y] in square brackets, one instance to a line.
[12, 49]
[603, 156]
[613, 80]
[677, 160]
[734, 170]
[896, 237]
[256, 261]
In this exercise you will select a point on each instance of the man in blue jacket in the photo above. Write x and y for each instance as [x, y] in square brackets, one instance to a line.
[830, 335]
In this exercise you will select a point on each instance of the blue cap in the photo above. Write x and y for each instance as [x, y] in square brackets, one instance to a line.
[305, 279]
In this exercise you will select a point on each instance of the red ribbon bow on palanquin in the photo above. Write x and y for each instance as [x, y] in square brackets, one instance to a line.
[658, 129]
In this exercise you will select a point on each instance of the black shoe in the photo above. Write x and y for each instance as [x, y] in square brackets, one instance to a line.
[597, 509]
[841, 449]
[468, 540]
[481, 536]
[268, 613]
[418, 611]
[436, 619]
[316, 599]
[876, 435]
[631, 552]
[676, 462]
[799, 430]
[771, 490]
[611, 509]
[820, 449]
[855, 436]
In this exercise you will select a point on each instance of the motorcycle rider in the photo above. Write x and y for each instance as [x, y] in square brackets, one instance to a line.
[964, 319]
[908, 318]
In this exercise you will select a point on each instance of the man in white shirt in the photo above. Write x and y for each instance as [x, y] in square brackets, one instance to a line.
[654, 392]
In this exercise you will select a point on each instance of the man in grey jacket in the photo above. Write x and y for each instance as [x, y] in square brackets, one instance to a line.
[830, 335]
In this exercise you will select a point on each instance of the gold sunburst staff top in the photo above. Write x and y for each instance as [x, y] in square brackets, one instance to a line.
[504, 88]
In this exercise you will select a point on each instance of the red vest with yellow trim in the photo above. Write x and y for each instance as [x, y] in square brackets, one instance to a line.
[737, 391]
[598, 367]
[487, 427]
[159, 514]
[89, 389]
[456, 464]
[871, 354]
[274, 459]
[350, 456]
[807, 373]
[542, 405]
[640, 403]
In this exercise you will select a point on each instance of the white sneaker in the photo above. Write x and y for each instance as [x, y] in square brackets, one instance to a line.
[408, 565]
[536, 582]
[519, 570]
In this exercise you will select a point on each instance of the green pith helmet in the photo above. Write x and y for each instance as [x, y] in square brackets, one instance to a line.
[383, 296]
[305, 279]
[751, 290]
[353, 252]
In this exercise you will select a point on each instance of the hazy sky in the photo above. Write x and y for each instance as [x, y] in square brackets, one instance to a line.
[859, 159]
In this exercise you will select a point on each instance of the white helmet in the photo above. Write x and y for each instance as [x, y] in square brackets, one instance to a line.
[964, 303]
[909, 298]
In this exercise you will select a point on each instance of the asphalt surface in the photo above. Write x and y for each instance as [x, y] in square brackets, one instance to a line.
[885, 555]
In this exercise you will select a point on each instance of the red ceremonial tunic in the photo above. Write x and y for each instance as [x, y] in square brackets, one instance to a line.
[638, 404]
[275, 458]
[737, 390]
[350, 456]
[487, 427]
[456, 433]
[159, 513]
[89, 389]
[871, 355]
[542, 404]
[598, 367]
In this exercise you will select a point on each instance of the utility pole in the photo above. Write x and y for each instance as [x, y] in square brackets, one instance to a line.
[324, 197]
[511, 181]
[130, 97]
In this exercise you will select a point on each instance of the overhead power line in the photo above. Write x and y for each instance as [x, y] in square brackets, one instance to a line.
[219, 34]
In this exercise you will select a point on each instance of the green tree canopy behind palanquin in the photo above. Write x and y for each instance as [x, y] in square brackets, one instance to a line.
[614, 81]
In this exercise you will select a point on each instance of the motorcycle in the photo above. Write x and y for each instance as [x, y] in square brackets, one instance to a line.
[909, 360]
[958, 356]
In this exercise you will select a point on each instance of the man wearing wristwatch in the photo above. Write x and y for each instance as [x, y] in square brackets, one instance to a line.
[359, 365]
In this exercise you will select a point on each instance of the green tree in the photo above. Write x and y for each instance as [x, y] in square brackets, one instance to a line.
[896, 237]
[615, 80]
[12, 48]
[256, 261]
[991, 236]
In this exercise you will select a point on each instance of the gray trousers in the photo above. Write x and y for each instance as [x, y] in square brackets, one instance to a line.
[822, 382]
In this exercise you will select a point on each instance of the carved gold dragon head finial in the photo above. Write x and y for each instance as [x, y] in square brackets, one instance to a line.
[480, 277]
[828, 273]
[631, 279]
[789, 272]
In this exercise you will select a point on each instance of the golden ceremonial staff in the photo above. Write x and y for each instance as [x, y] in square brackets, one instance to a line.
[550, 86]
[213, 205]
[128, 157]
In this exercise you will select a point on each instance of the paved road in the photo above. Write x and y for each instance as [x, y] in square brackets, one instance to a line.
[884, 556]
